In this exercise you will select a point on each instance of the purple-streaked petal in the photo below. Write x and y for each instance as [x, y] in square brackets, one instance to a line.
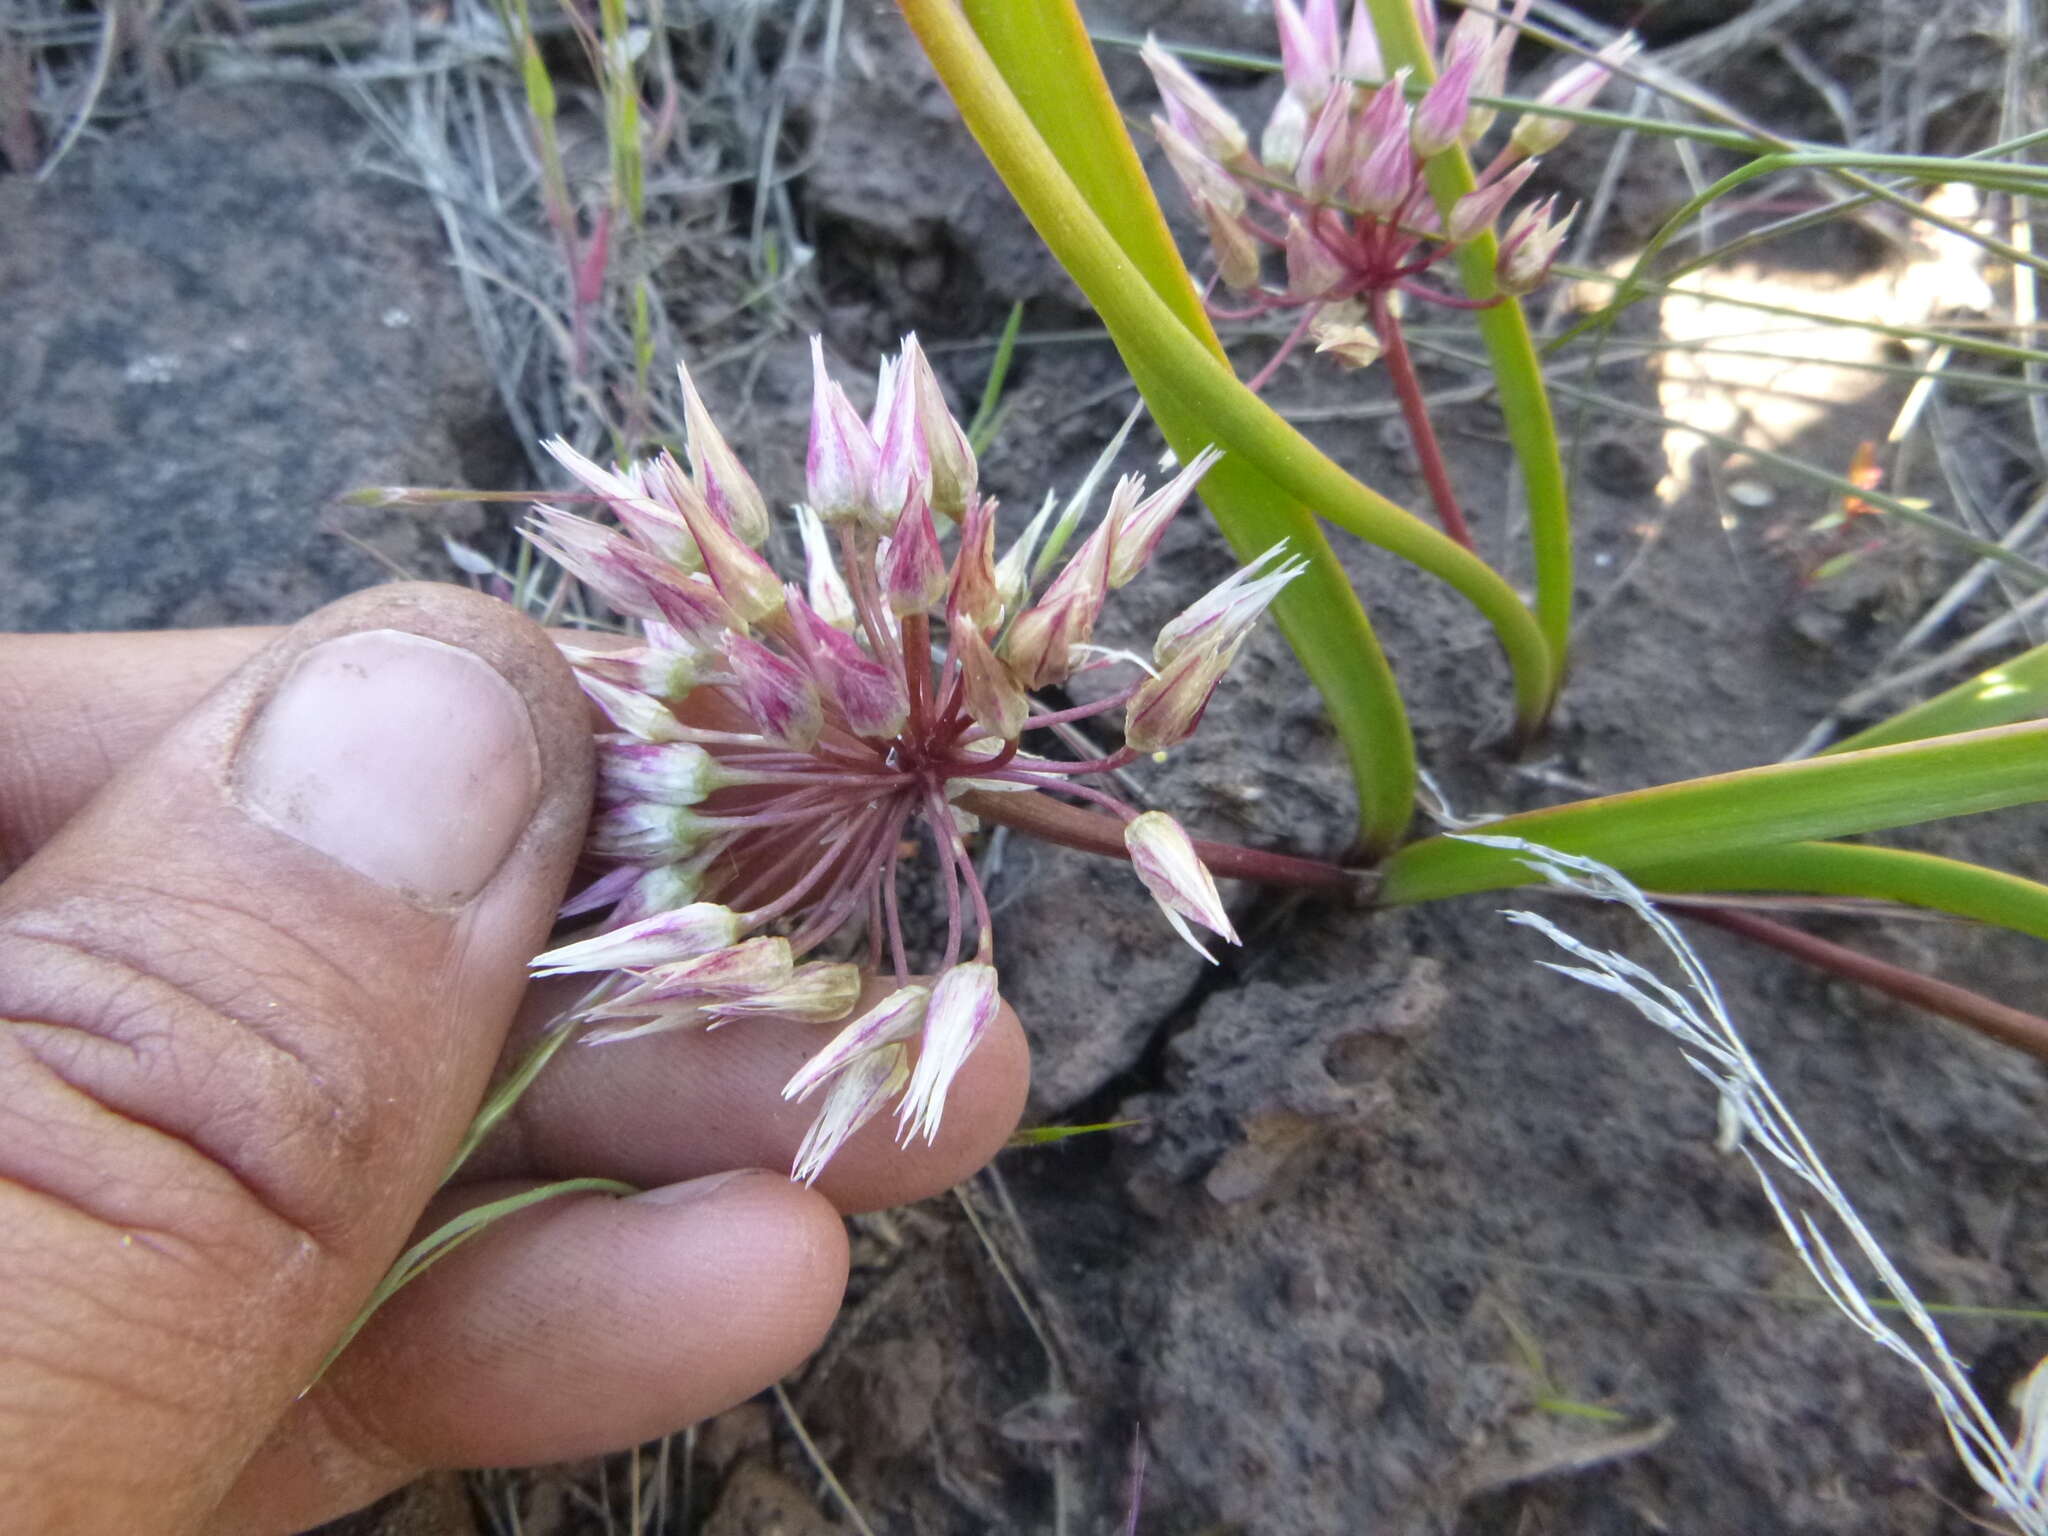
[659, 940]
[1164, 858]
[782, 702]
[857, 1097]
[721, 478]
[896, 1017]
[963, 1005]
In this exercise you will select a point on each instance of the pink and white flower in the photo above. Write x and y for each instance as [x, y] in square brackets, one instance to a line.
[1338, 186]
[780, 748]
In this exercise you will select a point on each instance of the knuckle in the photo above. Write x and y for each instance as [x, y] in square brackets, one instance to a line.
[152, 1010]
[346, 1420]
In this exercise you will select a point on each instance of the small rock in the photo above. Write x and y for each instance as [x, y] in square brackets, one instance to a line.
[737, 1432]
[1252, 1167]
[757, 1500]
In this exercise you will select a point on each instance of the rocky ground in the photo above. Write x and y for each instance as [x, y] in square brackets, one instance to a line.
[1398, 1205]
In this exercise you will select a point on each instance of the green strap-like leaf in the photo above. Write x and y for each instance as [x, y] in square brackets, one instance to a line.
[1855, 869]
[2012, 690]
[1822, 797]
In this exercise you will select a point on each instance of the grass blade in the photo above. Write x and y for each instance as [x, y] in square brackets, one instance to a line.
[981, 431]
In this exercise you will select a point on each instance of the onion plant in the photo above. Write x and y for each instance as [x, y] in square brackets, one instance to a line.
[1335, 192]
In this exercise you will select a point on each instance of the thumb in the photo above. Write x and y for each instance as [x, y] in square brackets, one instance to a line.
[249, 998]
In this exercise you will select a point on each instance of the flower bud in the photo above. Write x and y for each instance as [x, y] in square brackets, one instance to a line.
[1040, 644]
[1190, 107]
[606, 890]
[1135, 533]
[666, 673]
[972, 596]
[1312, 270]
[748, 583]
[1166, 709]
[963, 1005]
[643, 833]
[1285, 132]
[635, 713]
[1471, 38]
[901, 468]
[691, 606]
[1439, 117]
[782, 701]
[948, 456]
[825, 586]
[721, 479]
[617, 570]
[1530, 246]
[839, 465]
[609, 484]
[1492, 76]
[1013, 571]
[1201, 178]
[868, 696]
[896, 1017]
[634, 893]
[720, 976]
[656, 518]
[1308, 48]
[661, 889]
[665, 772]
[819, 993]
[912, 569]
[1226, 612]
[1239, 257]
[1362, 63]
[995, 700]
[1575, 88]
[659, 940]
[1327, 152]
[1385, 176]
[857, 1096]
[1385, 115]
[1164, 858]
[1476, 211]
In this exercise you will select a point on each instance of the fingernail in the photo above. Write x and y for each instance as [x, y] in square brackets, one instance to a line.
[698, 1189]
[411, 761]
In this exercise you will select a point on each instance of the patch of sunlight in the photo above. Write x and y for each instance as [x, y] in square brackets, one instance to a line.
[1763, 379]
[1997, 686]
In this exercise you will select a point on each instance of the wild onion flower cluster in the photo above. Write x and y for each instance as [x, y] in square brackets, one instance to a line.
[1337, 184]
[778, 749]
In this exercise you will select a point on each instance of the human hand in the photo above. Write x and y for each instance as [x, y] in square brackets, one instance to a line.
[261, 946]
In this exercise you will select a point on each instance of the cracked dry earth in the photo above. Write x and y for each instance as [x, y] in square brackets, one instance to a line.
[1393, 1192]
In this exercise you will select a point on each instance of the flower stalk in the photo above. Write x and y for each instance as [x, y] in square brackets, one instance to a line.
[1092, 832]
[1339, 186]
[1429, 452]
